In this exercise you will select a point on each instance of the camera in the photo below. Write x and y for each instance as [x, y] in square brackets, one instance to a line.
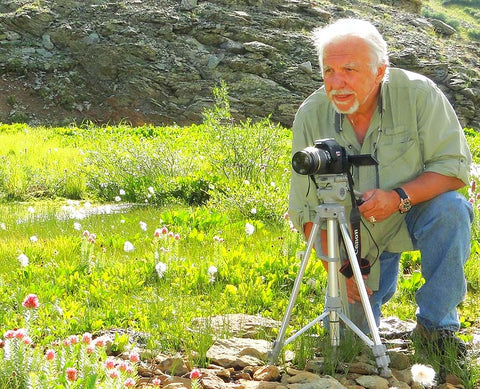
[326, 156]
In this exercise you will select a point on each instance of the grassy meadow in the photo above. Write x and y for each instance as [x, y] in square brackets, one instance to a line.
[147, 228]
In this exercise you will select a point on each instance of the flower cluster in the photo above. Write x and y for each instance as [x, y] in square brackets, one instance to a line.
[74, 360]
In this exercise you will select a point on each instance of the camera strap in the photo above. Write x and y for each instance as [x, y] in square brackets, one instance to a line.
[355, 219]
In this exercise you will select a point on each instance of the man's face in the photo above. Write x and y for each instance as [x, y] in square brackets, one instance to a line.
[350, 82]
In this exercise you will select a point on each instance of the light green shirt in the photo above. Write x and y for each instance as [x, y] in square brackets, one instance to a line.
[415, 130]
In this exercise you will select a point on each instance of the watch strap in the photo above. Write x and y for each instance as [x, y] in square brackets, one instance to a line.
[401, 193]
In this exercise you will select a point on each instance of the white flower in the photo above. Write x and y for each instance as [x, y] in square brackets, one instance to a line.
[151, 190]
[122, 221]
[3, 226]
[121, 192]
[424, 375]
[161, 268]
[33, 239]
[128, 247]
[118, 198]
[249, 229]
[31, 209]
[253, 211]
[143, 226]
[212, 270]
[77, 226]
[23, 260]
[246, 182]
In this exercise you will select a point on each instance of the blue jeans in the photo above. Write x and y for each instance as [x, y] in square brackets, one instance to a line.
[440, 230]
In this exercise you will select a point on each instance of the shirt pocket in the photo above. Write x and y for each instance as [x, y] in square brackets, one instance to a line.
[399, 156]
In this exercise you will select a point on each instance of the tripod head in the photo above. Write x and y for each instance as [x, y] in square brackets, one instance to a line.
[331, 188]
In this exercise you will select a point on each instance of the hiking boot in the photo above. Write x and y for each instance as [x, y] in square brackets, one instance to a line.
[442, 341]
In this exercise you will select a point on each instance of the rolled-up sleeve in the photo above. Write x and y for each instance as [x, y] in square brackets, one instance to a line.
[444, 145]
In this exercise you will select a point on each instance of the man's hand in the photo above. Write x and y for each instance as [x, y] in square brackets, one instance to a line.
[379, 204]
[352, 290]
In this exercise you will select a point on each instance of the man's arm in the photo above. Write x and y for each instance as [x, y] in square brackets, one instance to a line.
[381, 204]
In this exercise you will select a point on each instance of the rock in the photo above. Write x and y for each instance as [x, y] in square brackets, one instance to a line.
[158, 61]
[239, 352]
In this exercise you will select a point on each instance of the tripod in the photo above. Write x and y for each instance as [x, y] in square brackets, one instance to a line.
[334, 188]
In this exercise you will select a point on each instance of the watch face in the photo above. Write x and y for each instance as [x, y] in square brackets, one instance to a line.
[405, 205]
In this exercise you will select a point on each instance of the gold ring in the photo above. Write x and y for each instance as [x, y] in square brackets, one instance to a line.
[372, 219]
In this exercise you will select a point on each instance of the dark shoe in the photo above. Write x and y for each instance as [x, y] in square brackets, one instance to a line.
[443, 342]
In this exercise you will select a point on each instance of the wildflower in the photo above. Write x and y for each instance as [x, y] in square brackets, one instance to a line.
[156, 382]
[118, 198]
[424, 375]
[77, 226]
[90, 348]
[273, 185]
[10, 334]
[143, 226]
[33, 239]
[249, 229]
[27, 340]
[31, 301]
[3, 226]
[123, 366]
[86, 234]
[151, 190]
[23, 260]
[285, 216]
[253, 211]
[114, 374]
[122, 192]
[157, 233]
[246, 182]
[71, 373]
[31, 210]
[87, 338]
[128, 247]
[73, 339]
[50, 355]
[134, 357]
[170, 234]
[129, 383]
[176, 237]
[160, 268]
[20, 333]
[212, 270]
[110, 363]
[195, 374]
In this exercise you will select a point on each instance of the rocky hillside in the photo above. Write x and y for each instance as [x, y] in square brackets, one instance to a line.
[156, 61]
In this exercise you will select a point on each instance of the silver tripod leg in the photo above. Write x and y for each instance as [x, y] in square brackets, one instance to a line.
[333, 308]
[278, 343]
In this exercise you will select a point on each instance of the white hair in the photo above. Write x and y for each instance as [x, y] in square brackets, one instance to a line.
[343, 29]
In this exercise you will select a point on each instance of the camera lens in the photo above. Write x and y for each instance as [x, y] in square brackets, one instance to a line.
[310, 160]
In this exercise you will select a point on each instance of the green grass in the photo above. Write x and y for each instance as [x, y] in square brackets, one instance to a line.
[204, 183]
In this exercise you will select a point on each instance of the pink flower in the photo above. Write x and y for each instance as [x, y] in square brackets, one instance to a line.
[71, 373]
[87, 338]
[164, 230]
[27, 340]
[114, 374]
[20, 333]
[10, 334]
[156, 382]
[170, 234]
[86, 234]
[73, 339]
[123, 366]
[31, 301]
[134, 357]
[177, 236]
[109, 363]
[90, 349]
[195, 374]
[50, 355]
[157, 233]
[129, 383]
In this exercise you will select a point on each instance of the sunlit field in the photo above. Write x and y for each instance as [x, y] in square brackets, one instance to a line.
[145, 229]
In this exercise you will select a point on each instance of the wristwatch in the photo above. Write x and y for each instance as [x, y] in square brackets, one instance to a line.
[405, 202]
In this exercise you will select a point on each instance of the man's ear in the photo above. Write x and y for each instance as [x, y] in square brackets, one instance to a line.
[381, 69]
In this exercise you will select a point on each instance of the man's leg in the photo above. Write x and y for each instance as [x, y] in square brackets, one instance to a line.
[440, 229]
[387, 286]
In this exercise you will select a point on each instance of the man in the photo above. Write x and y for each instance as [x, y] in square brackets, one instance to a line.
[409, 199]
